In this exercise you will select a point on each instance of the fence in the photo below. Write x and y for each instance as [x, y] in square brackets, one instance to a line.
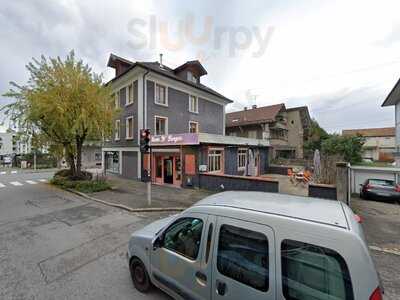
[216, 182]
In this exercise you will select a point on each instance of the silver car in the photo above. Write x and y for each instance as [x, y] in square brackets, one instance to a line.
[253, 245]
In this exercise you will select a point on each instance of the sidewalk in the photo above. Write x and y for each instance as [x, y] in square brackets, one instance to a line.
[132, 193]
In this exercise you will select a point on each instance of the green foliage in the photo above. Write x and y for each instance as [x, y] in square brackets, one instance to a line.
[349, 147]
[84, 186]
[63, 104]
[315, 137]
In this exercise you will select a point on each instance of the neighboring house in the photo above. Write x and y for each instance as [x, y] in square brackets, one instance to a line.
[286, 129]
[379, 142]
[393, 99]
[179, 110]
[8, 143]
[91, 155]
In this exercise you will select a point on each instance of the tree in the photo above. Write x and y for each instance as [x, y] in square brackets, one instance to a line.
[316, 135]
[349, 147]
[63, 104]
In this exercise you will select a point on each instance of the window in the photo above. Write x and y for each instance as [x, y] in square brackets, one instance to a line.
[215, 160]
[117, 134]
[160, 95]
[252, 134]
[184, 237]
[161, 125]
[327, 276]
[241, 158]
[193, 127]
[191, 77]
[117, 101]
[209, 239]
[193, 104]
[243, 256]
[129, 128]
[130, 94]
[97, 156]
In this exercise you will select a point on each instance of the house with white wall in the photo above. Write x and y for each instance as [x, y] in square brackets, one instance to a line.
[379, 143]
[393, 99]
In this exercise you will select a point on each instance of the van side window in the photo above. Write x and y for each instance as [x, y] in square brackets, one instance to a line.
[313, 272]
[209, 238]
[184, 236]
[243, 256]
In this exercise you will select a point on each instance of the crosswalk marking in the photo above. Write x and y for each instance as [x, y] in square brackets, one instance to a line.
[14, 172]
[43, 180]
[1, 185]
[16, 183]
[3, 173]
[30, 182]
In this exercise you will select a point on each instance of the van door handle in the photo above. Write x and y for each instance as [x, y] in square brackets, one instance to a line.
[221, 288]
[201, 276]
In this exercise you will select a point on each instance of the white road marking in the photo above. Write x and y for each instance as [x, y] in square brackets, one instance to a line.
[30, 182]
[14, 172]
[3, 173]
[1, 185]
[16, 183]
[43, 180]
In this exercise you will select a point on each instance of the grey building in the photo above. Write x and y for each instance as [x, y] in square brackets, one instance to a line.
[165, 100]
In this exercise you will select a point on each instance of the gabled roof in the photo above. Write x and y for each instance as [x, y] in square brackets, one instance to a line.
[194, 63]
[164, 71]
[370, 132]
[263, 114]
[394, 95]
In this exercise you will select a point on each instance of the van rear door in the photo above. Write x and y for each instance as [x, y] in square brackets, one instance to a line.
[243, 261]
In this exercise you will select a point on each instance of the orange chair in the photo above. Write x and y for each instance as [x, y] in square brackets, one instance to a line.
[290, 174]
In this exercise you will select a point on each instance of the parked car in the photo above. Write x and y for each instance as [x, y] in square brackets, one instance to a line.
[380, 189]
[254, 245]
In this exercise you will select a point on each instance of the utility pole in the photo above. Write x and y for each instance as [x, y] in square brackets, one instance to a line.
[34, 160]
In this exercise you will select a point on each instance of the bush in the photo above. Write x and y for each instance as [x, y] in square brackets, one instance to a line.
[84, 186]
[68, 175]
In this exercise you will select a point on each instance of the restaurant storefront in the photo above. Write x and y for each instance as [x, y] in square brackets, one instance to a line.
[179, 159]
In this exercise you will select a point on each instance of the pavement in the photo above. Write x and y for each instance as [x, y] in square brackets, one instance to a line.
[381, 223]
[56, 245]
[133, 194]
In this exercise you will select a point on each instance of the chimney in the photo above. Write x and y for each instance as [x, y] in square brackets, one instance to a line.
[161, 65]
[254, 106]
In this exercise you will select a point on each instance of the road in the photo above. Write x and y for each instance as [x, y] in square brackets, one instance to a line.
[55, 245]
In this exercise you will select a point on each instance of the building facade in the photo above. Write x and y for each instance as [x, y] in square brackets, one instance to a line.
[379, 143]
[285, 129]
[393, 99]
[167, 101]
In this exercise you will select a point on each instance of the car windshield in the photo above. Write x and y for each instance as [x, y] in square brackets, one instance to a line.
[381, 182]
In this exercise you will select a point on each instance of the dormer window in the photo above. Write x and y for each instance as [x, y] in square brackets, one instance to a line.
[191, 77]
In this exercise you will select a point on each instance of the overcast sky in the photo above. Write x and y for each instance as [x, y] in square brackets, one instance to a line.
[340, 58]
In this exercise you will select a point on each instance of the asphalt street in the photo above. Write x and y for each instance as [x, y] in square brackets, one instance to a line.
[55, 245]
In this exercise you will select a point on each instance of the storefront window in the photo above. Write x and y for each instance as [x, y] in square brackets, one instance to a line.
[178, 168]
[159, 167]
[214, 160]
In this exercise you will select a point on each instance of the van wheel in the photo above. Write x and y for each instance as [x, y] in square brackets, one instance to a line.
[139, 275]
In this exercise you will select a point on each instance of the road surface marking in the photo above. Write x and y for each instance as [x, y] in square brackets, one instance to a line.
[1, 185]
[16, 183]
[395, 251]
[43, 180]
[30, 182]
[3, 173]
[14, 172]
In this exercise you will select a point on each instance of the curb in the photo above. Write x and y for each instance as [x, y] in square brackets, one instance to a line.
[130, 209]
[385, 250]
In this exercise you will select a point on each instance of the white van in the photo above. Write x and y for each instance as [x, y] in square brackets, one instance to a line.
[253, 245]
